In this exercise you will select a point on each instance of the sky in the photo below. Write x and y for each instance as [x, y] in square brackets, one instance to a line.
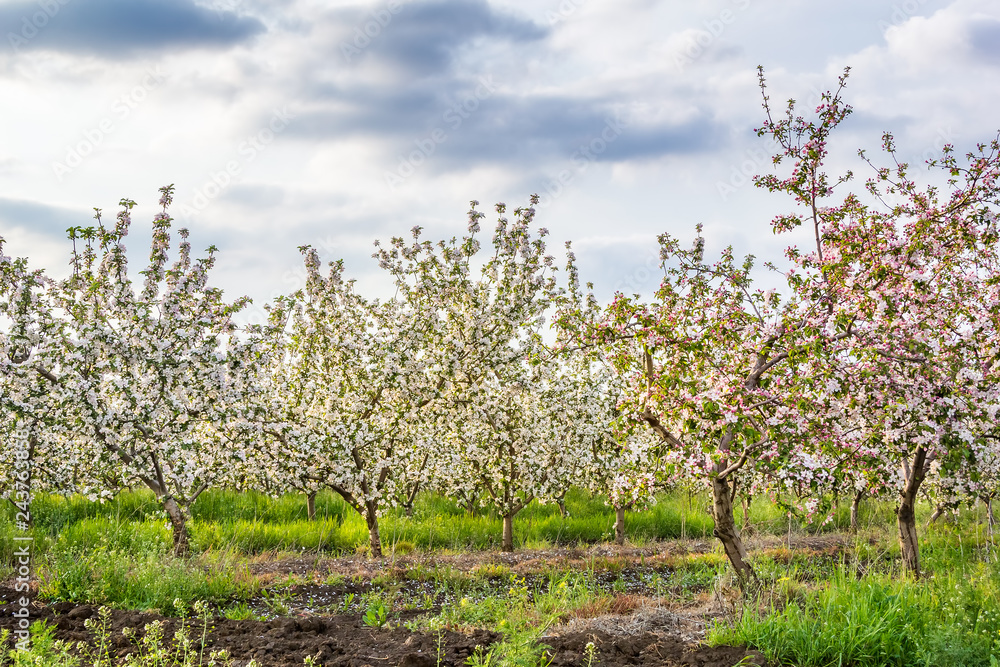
[284, 123]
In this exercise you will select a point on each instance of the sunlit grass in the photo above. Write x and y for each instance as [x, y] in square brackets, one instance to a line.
[146, 579]
[863, 611]
[252, 522]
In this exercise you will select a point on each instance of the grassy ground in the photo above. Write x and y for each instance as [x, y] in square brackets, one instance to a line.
[826, 598]
[864, 612]
[251, 523]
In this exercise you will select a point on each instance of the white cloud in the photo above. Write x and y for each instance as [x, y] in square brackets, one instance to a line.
[556, 84]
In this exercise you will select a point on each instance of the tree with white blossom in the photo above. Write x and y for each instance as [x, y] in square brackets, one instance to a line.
[516, 415]
[350, 391]
[28, 331]
[146, 376]
[623, 463]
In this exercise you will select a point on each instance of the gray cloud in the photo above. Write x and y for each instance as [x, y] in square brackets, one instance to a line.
[476, 127]
[121, 28]
[42, 218]
[477, 119]
[984, 37]
[423, 38]
[255, 196]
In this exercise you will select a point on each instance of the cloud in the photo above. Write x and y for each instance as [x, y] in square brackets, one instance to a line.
[924, 81]
[121, 28]
[40, 218]
[256, 196]
[426, 38]
[462, 125]
[984, 38]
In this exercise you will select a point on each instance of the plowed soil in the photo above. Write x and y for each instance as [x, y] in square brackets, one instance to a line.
[641, 627]
[343, 640]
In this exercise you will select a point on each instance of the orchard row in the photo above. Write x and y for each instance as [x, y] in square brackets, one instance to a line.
[494, 377]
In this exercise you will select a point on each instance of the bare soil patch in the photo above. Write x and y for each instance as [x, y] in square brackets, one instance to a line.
[635, 628]
[343, 640]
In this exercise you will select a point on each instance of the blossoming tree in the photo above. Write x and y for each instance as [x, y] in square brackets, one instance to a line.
[516, 413]
[349, 392]
[146, 376]
[905, 375]
[28, 331]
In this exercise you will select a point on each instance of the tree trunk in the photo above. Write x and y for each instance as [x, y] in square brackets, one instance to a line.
[747, 501]
[855, 506]
[178, 519]
[411, 497]
[507, 544]
[311, 505]
[619, 525]
[469, 503]
[990, 518]
[906, 512]
[726, 531]
[937, 514]
[561, 502]
[374, 541]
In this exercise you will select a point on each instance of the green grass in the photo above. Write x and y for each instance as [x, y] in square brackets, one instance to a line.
[521, 614]
[219, 505]
[251, 523]
[864, 616]
[148, 579]
[440, 523]
[258, 536]
[816, 609]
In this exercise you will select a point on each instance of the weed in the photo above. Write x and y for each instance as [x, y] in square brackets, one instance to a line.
[491, 570]
[440, 646]
[241, 612]
[277, 600]
[43, 650]
[376, 615]
[479, 658]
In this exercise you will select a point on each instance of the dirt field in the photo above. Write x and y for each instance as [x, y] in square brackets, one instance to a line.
[345, 640]
[639, 629]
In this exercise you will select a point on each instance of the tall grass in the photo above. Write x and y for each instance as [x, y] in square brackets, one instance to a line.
[251, 522]
[220, 505]
[258, 536]
[147, 579]
[874, 617]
